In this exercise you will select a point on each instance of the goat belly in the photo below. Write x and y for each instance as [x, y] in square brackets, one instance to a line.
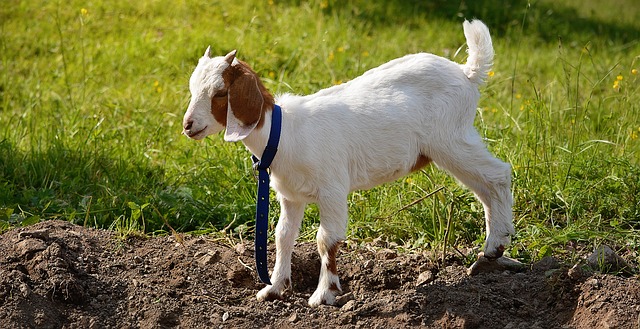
[363, 179]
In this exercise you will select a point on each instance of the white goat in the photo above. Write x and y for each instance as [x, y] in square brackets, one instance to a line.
[392, 120]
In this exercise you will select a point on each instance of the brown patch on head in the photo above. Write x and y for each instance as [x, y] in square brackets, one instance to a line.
[248, 97]
[420, 163]
[219, 108]
[331, 255]
[220, 101]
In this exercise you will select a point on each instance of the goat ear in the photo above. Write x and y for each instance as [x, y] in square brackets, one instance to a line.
[207, 53]
[236, 130]
[244, 110]
[230, 56]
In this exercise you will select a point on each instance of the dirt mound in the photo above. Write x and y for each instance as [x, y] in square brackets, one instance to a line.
[59, 275]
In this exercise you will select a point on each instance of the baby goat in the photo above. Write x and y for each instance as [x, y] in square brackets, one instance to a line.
[392, 120]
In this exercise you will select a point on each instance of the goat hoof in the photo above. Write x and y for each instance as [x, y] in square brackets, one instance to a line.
[486, 264]
[269, 293]
[497, 253]
[322, 297]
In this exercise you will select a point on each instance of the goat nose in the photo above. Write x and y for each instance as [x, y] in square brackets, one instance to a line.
[188, 125]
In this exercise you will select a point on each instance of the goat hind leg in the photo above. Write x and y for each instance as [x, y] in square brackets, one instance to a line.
[333, 226]
[490, 180]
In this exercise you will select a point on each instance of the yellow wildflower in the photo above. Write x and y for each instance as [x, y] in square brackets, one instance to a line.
[491, 73]
[365, 54]
[619, 78]
[324, 4]
[331, 56]
[84, 12]
[634, 71]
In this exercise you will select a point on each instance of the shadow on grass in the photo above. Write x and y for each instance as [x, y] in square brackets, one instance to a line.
[96, 190]
[548, 22]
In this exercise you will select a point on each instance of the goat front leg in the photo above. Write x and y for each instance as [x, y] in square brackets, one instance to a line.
[333, 227]
[287, 231]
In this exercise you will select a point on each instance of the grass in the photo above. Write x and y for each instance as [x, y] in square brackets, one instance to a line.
[93, 93]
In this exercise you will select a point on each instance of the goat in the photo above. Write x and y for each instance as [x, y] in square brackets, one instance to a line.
[391, 121]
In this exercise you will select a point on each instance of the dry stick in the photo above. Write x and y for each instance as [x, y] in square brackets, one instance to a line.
[173, 232]
[229, 237]
[414, 202]
[88, 211]
[446, 232]
[228, 227]
[245, 265]
[458, 251]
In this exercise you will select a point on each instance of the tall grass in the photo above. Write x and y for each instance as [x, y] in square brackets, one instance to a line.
[92, 96]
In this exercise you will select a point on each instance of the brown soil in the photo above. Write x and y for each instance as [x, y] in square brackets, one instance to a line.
[58, 275]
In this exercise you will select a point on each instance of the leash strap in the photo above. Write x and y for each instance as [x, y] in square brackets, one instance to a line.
[262, 205]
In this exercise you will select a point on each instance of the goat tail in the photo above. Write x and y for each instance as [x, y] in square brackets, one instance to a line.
[480, 51]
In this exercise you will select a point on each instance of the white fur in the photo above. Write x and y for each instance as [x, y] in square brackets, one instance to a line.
[368, 131]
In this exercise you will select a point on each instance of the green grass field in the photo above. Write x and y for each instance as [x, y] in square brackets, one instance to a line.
[93, 93]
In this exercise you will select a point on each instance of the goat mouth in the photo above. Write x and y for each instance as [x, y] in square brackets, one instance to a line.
[193, 134]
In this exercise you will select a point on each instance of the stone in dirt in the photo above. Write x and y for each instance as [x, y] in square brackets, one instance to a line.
[424, 278]
[30, 246]
[36, 234]
[605, 260]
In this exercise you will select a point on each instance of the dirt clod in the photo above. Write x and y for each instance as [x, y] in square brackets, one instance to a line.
[85, 278]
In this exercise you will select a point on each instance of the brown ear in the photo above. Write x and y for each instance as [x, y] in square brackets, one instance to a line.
[245, 106]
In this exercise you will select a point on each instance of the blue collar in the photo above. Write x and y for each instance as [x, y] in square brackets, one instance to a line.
[272, 144]
[262, 205]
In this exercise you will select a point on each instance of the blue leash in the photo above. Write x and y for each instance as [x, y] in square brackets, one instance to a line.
[262, 205]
